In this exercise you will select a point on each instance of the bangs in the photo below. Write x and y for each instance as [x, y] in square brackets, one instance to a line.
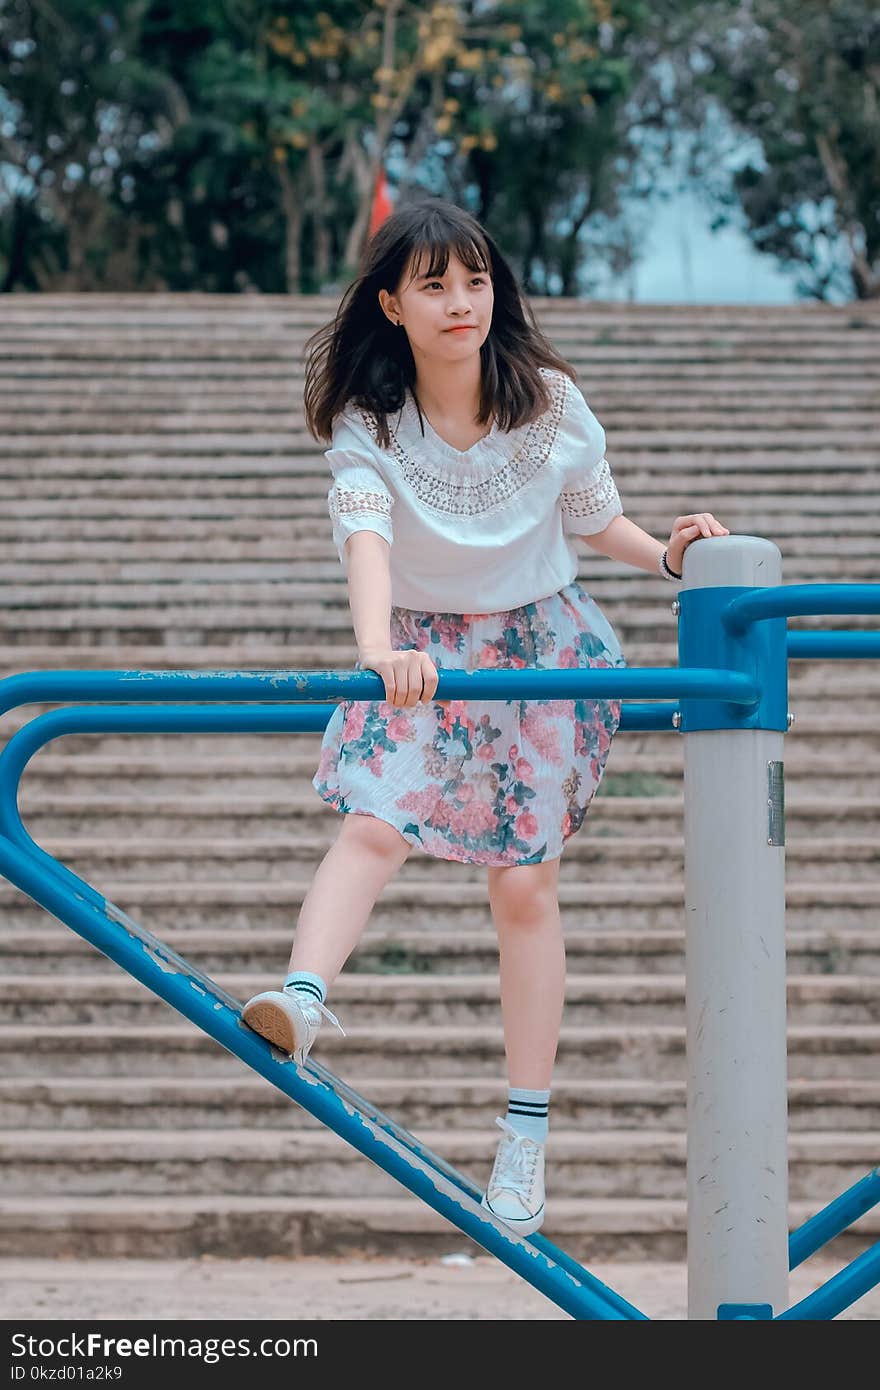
[431, 253]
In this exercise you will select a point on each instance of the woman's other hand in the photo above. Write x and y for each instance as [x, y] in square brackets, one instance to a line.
[690, 528]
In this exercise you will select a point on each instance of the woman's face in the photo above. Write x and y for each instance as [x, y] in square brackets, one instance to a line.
[447, 316]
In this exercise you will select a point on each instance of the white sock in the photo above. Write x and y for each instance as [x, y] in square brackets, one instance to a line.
[527, 1112]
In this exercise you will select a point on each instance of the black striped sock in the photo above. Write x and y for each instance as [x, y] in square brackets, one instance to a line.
[528, 1112]
[304, 982]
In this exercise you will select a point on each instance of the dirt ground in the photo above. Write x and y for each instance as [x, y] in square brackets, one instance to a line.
[454, 1286]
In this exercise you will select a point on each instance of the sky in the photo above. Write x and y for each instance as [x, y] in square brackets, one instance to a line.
[682, 261]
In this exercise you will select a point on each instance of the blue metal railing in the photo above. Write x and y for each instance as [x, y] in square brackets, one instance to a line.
[332, 1101]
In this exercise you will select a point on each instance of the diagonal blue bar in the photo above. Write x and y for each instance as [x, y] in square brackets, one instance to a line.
[838, 1292]
[110, 930]
[836, 1217]
[199, 999]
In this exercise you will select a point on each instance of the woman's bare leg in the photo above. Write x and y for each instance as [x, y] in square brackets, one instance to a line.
[335, 910]
[525, 908]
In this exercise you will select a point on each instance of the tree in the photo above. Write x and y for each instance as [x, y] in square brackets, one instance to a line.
[800, 81]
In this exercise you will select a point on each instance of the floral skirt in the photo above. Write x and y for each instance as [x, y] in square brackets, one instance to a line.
[481, 781]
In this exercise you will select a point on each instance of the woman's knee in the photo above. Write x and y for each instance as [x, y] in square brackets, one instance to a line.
[524, 894]
[375, 836]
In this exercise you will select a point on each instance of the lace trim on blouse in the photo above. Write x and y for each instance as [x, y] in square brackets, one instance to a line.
[593, 500]
[475, 496]
[345, 502]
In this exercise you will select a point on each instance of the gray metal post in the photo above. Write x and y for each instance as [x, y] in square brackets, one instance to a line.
[737, 1149]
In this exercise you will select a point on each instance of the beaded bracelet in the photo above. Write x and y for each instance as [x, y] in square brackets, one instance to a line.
[665, 570]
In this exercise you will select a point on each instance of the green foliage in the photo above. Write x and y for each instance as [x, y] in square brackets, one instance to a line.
[638, 784]
[231, 145]
[799, 81]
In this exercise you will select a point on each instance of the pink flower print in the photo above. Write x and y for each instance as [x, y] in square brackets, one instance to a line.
[512, 751]
[567, 657]
[487, 752]
[447, 634]
[488, 656]
[539, 729]
[456, 709]
[526, 825]
[353, 725]
[421, 803]
[566, 824]
[466, 793]
[517, 662]
[375, 762]
[400, 729]
[477, 818]
[433, 761]
[440, 814]
[524, 768]
[510, 805]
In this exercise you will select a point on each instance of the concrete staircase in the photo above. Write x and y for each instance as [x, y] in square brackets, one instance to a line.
[164, 507]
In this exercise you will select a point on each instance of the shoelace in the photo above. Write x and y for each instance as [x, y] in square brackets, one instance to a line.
[312, 1003]
[516, 1160]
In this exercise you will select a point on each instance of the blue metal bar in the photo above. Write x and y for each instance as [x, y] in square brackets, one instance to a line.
[199, 999]
[656, 717]
[142, 955]
[838, 1292]
[614, 682]
[825, 645]
[834, 1218]
[61, 886]
[788, 600]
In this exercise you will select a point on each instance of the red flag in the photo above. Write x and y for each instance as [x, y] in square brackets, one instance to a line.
[382, 204]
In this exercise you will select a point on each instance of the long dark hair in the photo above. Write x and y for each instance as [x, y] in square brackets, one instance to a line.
[361, 357]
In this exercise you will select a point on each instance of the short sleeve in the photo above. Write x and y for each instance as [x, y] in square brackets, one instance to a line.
[359, 499]
[589, 496]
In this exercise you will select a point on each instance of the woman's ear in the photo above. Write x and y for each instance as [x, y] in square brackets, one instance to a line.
[389, 308]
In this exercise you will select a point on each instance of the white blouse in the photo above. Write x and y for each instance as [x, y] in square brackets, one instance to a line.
[478, 530]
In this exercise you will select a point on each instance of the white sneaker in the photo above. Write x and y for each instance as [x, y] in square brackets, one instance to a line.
[515, 1191]
[288, 1019]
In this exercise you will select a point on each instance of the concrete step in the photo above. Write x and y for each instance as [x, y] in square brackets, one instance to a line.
[837, 818]
[814, 748]
[136, 1227]
[431, 904]
[232, 620]
[387, 951]
[131, 519]
[174, 1103]
[400, 999]
[449, 902]
[227, 563]
[141, 415]
[230, 505]
[145, 570]
[656, 1051]
[318, 1163]
[644, 858]
[742, 449]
